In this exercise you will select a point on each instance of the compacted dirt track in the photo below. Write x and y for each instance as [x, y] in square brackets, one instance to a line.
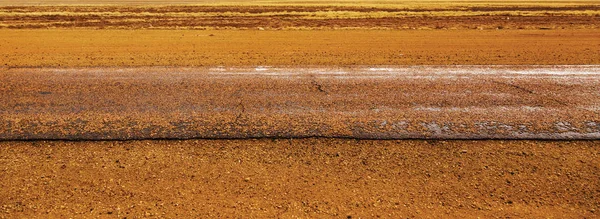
[441, 102]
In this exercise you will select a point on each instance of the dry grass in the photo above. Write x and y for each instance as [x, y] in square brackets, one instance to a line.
[409, 3]
[342, 14]
[302, 17]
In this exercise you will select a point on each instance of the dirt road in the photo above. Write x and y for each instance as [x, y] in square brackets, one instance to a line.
[447, 102]
[107, 69]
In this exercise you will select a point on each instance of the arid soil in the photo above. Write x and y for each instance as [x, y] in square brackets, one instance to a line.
[300, 178]
[60, 62]
[87, 48]
[441, 102]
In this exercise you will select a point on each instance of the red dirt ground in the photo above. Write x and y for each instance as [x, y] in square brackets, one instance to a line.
[303, 177]
[300, 178]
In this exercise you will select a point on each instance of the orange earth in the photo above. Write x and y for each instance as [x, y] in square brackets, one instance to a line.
[85, 48]
[335, 178]
[314, 177]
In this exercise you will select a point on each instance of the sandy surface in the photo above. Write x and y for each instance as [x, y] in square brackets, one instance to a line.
[300, 178]
[92, 48]
[449, 102]
[66, 73]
